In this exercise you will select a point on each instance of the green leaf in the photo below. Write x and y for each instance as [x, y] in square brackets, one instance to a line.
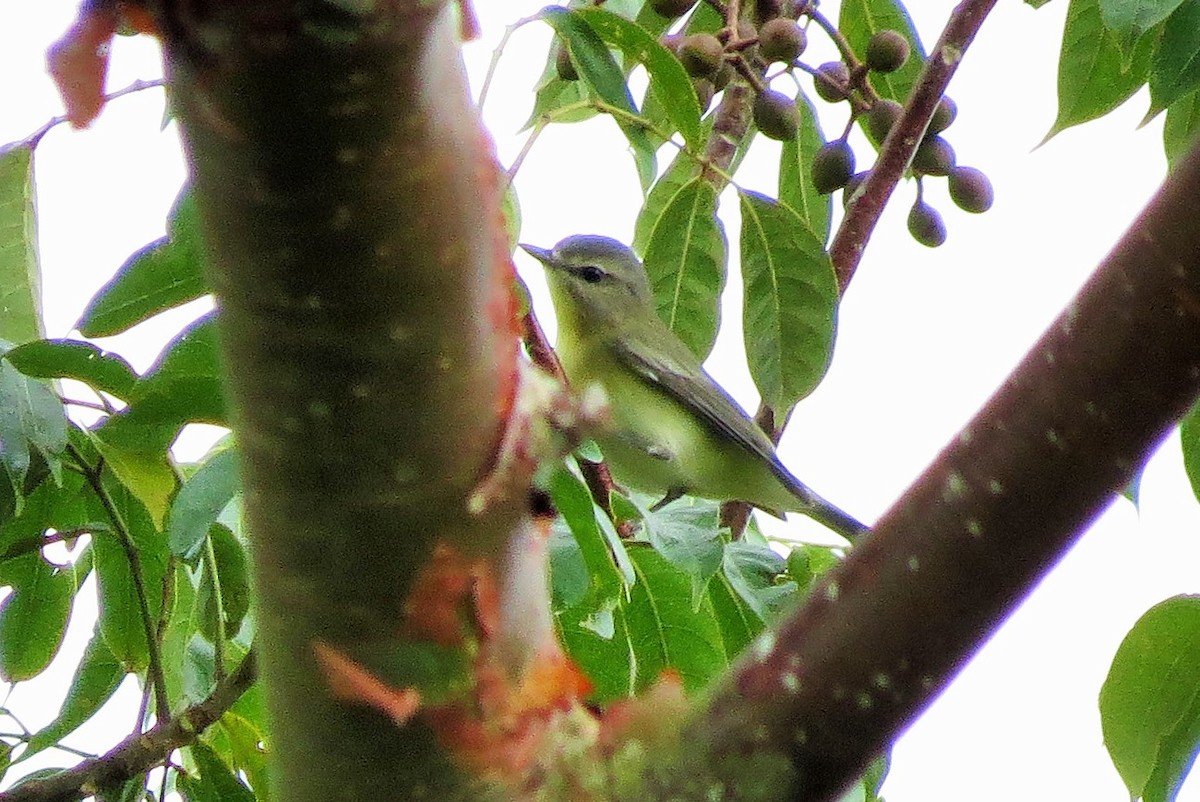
[32, 419]
[1093, 77]
[597, 67]
[1129, 20]
[510, 207]
[754, 573]
[78, 360]
[181, 626]
[33, 618]
[233, 579]
[245, 753]
[162, 275]
[120, 611]
[215, 783]
[1189, 439]
[738, 622]
[1150, 701]
[1176, 69]
[664, 630]
[147, 474]
[795, 168]
[97, 678]
[569, 577]
[1181, 127]
[668, 80]
[607, 661]
[574, 503]
[790, 307]
[859, 20]
[680, 172]
[201, 499]
[20, 271]
[685, 260]
[689, 537]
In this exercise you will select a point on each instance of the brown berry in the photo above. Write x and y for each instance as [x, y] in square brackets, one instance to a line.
[768, 9]
[781, 39]
[775, 115]
[832, 166]
[671, 9]
[704, 92]
[887, 51]
[880, 118]
[933, 157]
[832, 81]
[672, 42]
[563, 64]
[970, 189]
[701, 55]
[723, 76]
[926, 225]
[943, 115]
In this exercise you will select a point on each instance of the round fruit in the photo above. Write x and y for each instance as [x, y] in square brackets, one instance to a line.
[852, 186]
[563, 64]
[926, 225]
[704, 92]
[933, 157]
[970, 189]
[671, 8]
[775, 115]
[881, 117]
[672, 42]
[887, 51]
[723, 76]
[768, 9]
[943, 115]
[701, 55]
[832, 166]
[781, 39]
[832, 81]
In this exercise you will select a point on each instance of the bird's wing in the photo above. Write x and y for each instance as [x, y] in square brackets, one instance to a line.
[667, 363]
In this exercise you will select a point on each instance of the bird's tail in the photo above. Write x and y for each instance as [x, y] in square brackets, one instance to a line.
[830, 515]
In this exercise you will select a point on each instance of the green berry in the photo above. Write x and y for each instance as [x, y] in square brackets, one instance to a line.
[943, 115]
[970, 189]
[671, 9]
[701, 55]
[933, 157]
[775, 115]
[881, 117]
[832, 166]
[781, 39]
[887, 51]
[926, 225]
[832, 81]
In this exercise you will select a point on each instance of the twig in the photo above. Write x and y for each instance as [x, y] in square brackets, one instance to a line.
[137, 86]
[141, 751]
[897, 149]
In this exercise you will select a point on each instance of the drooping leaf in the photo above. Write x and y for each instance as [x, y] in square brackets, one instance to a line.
[97, 678]
[200, 500]
[754, 573]
[246, 755]
[738, 622]
[679, 172]
[215, 782]
[1181, 127]
[1150, 701]
[685, 260]
[1175, 71]
[795, 172]
[859, 20]
[74, 359]
[33, 618]
[147, 474]
[668, 79]
[601, 73]
[20, 270]
[229, 584]
[1130, 20]
[574, 502]
[32, 420]
[790, 307]
[689, 537]
[1189, 440]
[1093, 77]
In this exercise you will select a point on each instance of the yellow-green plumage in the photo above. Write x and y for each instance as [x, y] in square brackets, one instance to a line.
[674, 430]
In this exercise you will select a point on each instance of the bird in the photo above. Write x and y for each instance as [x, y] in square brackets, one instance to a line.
[672, 430]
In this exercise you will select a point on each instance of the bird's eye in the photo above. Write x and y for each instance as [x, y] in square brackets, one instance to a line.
[591, 274]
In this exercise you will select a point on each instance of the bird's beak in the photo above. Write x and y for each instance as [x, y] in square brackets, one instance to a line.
[541, 254]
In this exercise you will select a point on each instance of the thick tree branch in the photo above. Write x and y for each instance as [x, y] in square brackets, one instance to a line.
[139, 752]
[884, 632]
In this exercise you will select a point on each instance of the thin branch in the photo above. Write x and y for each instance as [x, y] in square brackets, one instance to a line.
[137, 86]
[139, 752]
[125, 538]
[897, 149]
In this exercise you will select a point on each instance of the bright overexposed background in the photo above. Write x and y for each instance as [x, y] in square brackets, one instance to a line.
[925, 336]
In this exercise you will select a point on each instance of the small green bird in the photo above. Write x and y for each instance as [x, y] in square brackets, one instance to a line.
[674, 430]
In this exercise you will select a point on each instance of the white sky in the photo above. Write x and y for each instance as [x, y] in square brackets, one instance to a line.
[925, 335]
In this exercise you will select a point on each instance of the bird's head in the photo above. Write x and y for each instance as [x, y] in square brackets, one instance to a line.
[594, 278]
